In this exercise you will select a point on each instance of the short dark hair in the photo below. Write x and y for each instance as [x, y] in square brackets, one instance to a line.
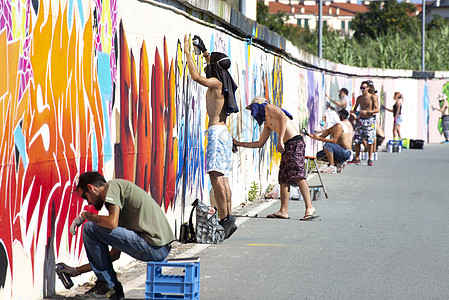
[93, 178]
[344, 114]
[344, 90]
[370, 85]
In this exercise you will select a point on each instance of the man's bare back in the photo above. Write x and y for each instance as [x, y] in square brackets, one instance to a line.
[346, 138]
[338, 135]
[272, 115]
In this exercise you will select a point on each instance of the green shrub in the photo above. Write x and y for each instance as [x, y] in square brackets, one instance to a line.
[253, 192]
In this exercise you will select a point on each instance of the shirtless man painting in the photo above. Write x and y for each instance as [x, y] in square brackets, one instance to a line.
[220, 102]
[338, 148]
[292, 147]
[365, 128]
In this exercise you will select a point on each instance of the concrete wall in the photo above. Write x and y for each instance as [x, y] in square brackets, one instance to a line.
[102, 85]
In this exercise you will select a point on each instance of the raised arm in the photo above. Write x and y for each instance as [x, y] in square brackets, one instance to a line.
[207, 82]
[342, 103]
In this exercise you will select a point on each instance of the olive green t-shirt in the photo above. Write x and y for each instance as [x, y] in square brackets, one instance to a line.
[139, 212]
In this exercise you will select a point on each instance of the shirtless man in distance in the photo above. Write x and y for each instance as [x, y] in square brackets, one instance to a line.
[218, 106]
[338, 148]
[365, 128]
[292, 147]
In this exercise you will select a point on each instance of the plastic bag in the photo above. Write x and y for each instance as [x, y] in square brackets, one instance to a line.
[275, 193]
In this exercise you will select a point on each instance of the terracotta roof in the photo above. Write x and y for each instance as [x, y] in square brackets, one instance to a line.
[274, 7]
[419, 5]
[350, 8]
[346, 9]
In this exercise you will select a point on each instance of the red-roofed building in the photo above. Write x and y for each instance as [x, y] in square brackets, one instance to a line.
[337, 14]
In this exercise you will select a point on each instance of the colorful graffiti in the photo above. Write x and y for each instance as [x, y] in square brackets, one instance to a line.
[147, 151]
[85, 87]
[51, 134]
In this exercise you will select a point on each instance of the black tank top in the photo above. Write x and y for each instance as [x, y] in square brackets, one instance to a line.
[395, 108]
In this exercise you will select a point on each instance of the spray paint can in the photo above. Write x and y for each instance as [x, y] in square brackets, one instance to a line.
[65, 278]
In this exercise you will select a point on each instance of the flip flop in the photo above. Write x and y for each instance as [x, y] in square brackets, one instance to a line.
[308, 218]
[275, 216]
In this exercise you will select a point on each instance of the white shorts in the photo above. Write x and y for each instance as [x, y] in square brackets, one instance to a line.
[219, 150]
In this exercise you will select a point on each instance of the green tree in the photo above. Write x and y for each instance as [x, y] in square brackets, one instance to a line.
[397, 46]
[384, 18]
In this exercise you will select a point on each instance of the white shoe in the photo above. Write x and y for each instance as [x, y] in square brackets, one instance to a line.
[341, 166]
[330, 170]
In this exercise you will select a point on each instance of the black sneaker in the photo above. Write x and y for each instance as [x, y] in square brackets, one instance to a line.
[101, 291]
[229, 226]
[370, 162]
[120, 294]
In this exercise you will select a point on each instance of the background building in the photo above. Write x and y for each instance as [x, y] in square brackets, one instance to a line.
[437, 8]
[337, 14]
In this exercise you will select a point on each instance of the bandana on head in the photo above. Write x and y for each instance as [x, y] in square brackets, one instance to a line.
[218, 67]
[332, 118]
[258, 112]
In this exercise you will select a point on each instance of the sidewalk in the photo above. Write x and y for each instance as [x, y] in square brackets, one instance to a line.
[380, 235]
[134, 281]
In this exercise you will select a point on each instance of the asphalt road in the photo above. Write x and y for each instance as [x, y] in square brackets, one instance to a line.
[382, 234]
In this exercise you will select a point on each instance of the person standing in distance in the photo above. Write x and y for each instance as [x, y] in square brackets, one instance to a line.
[397, 114]
[442, 99]
[365, 128]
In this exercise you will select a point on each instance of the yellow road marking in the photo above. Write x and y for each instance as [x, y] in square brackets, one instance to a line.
[272, 245]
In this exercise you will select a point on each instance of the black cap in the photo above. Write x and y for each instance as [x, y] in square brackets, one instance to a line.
[344, 113]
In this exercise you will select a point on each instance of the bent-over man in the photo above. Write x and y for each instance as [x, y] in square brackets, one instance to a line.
[338, 148]
[292, 147]
[135, 224]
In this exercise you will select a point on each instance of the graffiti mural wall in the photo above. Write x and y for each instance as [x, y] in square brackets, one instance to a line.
[103, 85]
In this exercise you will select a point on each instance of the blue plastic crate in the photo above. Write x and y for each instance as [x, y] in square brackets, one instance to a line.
[166, 286]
